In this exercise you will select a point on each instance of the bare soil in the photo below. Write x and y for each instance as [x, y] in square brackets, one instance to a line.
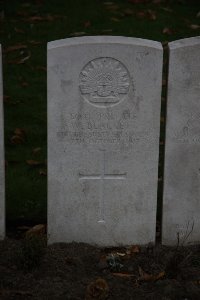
[76, 271]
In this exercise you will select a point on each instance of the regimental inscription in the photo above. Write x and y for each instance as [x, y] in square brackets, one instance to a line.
[189, 131]
[103, 129]
[104, 81]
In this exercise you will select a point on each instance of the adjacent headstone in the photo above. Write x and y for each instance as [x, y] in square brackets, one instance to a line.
[103, 139]
[2, 177]
[181, 207]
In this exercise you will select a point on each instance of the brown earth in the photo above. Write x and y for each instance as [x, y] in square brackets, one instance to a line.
[77, 271]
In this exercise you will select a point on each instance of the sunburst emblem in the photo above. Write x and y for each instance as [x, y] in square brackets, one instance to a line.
[104, 81]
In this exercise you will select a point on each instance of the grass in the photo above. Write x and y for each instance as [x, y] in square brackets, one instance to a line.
[32, 24]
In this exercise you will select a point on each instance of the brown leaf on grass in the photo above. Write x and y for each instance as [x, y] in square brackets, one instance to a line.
[19, 136]
[80, 33]
[15, 47]
[16, 140]
[48, 18]
[150, 277]
[34, 163]
[19, 61]
[134, 249]
[22, 60]
[131, 251]
[151, 15]
[194, 26]
[39, 229]
[43, 172]
[167, 30]
[97, 290]
[20, 132]
[36, 150]
[123, 275]
[115, 19]
[167, 9]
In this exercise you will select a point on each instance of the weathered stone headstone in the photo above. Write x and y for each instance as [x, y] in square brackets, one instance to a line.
[103, 139]
[181, 207]
[2, 192]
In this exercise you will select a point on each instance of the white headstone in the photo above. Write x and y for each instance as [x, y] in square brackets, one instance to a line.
[181, 207]
[2, 165]
[103, 139]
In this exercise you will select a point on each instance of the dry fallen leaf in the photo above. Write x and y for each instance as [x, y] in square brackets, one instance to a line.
[20, 132]
[134, 249]
[194, 26]
[151, 15]
[48, 18]
[123, 275]
[43, 172]
[22, 60]
[115, 19]
[150, 277]
[39, 229]
[77, 33]
[36, 150]
[167, 30]
[35, 163]
[15, 47]
[167, 9]
[19, 136]
[97, 290]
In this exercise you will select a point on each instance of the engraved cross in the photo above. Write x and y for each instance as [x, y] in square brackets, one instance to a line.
[102, 177]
